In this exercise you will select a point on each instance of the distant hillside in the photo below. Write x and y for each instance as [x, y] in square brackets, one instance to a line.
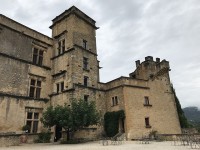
[192, 114]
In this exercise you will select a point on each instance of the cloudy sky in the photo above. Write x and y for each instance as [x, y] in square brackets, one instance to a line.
[131, 30]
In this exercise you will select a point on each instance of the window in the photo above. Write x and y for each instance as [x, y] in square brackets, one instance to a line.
[32, 121]
[85, 63]
[84, 44]
[146, 101]
[35, 88]
[37, 56]
[61, 46]
[85, 81]
[147, 122]
[114, 101]
[60, 87]
[86, 98]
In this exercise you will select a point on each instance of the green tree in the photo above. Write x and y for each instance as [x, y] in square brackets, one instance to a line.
[182, 119]
[72, 118]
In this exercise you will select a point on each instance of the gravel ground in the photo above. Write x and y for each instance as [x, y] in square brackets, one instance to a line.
[128, 145]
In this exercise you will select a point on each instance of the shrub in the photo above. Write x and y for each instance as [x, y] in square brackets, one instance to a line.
[25, 128]
[43, 137]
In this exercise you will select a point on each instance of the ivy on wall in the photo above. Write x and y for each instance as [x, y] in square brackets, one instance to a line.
[182, 119]
[111, 122]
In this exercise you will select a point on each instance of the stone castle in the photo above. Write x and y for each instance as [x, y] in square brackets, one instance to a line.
[38, 71]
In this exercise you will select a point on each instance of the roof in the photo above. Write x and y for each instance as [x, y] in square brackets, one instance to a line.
[77, 12]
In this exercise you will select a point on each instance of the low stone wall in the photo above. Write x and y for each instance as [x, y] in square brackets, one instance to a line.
[9, 140]
[16, 139]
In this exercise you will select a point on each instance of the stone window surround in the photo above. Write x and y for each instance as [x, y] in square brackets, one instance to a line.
[38, 55]
[33, 119]
[147, 122]
[114, 101]
[35, 88]
[60, 86]
[146, 101]
[61, 46]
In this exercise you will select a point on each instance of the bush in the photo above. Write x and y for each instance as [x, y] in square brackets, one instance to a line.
[43, 137]
[25, 128]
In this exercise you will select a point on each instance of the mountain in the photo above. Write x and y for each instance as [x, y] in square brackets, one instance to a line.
[192, 114]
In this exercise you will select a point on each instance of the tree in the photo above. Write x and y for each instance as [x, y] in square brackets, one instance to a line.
[182, 119]
[72, 118]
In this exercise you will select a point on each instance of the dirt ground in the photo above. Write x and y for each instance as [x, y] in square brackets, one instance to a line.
[127, 145]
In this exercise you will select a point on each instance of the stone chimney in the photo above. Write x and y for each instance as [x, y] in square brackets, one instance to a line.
[137, 63]
[157, 60]
[149, 58]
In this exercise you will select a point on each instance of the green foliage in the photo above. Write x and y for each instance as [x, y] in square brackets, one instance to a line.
[43, 137]
[111, 122]
[183, 120]
[80, 114]
[26, 127]
[84, 114]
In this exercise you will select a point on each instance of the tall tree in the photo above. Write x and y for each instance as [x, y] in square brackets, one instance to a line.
[182, 119]
[79, 115]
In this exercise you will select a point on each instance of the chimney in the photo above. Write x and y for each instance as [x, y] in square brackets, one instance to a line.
[157, 60]
[137, 63]
[149, 58]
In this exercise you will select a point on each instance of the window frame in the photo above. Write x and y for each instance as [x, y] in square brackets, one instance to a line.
[85, 80]
[61, 46]
[115, 101]
[147, 122]
[85, 63]
[33, 122]
[146, 101]
[84, 44]
[35, 88]
[60, 87]
[38, 56]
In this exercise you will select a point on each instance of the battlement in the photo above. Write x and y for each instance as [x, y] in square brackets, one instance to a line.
[149, 68]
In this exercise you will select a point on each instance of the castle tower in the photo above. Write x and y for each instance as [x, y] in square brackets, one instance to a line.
[74, 61]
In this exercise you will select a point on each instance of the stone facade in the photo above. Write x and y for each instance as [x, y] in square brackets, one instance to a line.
[37, 71]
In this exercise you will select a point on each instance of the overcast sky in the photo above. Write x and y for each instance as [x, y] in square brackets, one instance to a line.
[131, 30]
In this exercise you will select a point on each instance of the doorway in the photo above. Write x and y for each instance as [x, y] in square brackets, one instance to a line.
[58, 133]
[121, 125]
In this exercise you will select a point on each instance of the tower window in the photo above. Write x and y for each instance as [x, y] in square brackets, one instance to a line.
[146, 100]
[35, 88]
[60, 87]
[85, 63]
[114, 101]
[84, 44]
[85, 82]
[61, 46]
[37, 56]
[147, 122]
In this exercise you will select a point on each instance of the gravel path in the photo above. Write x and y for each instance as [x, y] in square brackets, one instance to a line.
[128, 145]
